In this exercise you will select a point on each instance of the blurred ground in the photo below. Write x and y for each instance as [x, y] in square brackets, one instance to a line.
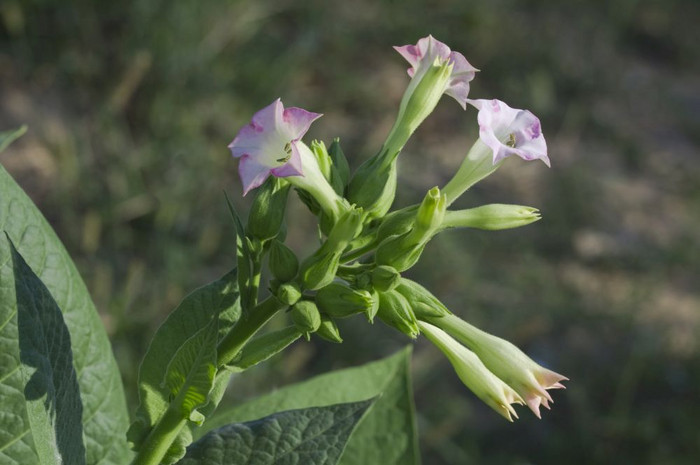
[131, 105]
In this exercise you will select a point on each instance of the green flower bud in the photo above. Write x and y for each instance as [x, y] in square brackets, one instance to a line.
[430, 214]
[424, 303]
[306, 316]
[289, 293]
[324, 160]
[491, 217]
[385, 278]
[372, 312]
[329, 330]
[397, 222]
[403, 251]
[373, 186]
[319, 269]
[340, 171]
[267, 212]
[395, 311]
[283, 263]
[340, 301]
[399, 252]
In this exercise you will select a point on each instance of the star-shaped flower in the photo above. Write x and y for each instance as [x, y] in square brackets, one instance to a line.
[269, 144]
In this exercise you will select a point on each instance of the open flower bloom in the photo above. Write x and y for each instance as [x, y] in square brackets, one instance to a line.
[429, 51]
[271, 145]
[508, 131]
[473, 373]
[503, 131]
[505, 360]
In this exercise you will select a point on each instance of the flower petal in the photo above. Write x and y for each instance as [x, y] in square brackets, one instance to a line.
[510, 131]
[293, 167]
[252, 173]
[297, 121]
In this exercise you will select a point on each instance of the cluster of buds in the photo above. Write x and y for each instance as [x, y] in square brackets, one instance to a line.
[365, 247]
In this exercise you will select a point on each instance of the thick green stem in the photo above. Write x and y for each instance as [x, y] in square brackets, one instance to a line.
[357, 253]
[171, 423]
[246, 328]
[255, 279]
[161, 438]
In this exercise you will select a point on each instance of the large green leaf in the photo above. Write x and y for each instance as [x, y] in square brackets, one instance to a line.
[45, 365]
[194, 313]
[387, 434]
[105, 417]
[312, 436]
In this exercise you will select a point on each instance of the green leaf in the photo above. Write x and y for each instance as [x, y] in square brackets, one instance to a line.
[243, 257]
[7, 137]
[104, 414]
[312, 436]
[263, 347]
[387, 434]
[49, 382]
[194, 313]
[190, 374]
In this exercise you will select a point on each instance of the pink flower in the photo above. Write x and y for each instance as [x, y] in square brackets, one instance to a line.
[270, 144]
[424, 54]
[509, 131]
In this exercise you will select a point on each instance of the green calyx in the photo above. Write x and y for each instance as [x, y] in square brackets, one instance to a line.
[267, 212]
[395, 311]
[340, 301]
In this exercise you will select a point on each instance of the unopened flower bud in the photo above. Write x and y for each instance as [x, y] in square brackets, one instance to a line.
[283, 263]
[319, 269]
[340, 301]
[423, 302]
[429, 215]
[403, 251]
[397, 222]
[373, 186]
[324, 161]
[372, 312]
[385, 278]
[267, 212]
[306, 316]
[395, 311]
[340, 170]
[329, 330]
[399, 252]
[491, 217]
[289, 293]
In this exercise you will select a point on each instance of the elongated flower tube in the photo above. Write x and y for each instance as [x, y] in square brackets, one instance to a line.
[492, 217]
[435, 70]
[271, 145]
[505, 360]
[473, 373]
[503, 131]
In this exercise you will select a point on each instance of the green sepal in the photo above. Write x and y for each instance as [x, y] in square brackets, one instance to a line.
[283, 262]
[267, 211]
[306, 316]
[340, 170]
[395, 311]
[329, 330]
[243, 258]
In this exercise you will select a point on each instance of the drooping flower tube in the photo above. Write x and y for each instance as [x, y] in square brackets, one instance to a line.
[503, 131]
[530, 380]
[271, 145]
[473, 373]
[435, 70]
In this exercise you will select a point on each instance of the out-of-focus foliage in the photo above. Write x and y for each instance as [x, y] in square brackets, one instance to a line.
[130, 106]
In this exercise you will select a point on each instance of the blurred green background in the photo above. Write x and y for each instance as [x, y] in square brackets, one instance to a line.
[131, 105]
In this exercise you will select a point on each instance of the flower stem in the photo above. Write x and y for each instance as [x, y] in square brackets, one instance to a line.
[246, 327]
[171, 423]
[255, 279]
[161, 438]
